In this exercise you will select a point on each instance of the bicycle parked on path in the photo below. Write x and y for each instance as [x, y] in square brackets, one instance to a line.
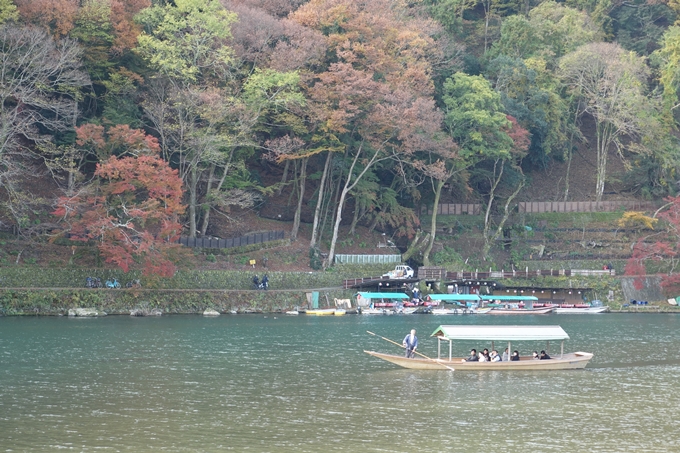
[93, 282]
[112, 284]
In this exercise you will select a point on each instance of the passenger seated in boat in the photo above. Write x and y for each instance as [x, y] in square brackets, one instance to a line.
[544, 356]
[514, 356]
[494, 356]
[535, 355]
[506, 356]
[486, 355]
[473, 356]
[482, 357]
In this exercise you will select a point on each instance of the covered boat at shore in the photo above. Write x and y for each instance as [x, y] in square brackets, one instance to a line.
[458, 304]
[515, 305]
[504, 335]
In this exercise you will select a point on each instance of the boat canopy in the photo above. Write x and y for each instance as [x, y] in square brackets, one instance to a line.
[383, 295]
[510, 298]
[474, 297]
[500, 333]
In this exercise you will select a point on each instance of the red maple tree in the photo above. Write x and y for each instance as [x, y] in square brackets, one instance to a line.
[132, 211]
[667, 248]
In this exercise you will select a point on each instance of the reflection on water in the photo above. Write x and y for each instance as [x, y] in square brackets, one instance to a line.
[303, 384]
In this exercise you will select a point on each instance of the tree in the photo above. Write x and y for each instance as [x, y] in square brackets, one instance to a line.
[662, 245]
[40, 84]
[531, 93]
[186, 40]
[133, 214]
[377, 91]
[550, 31]
[56, 16]
[485, 136]
[668, 57]
[8, 11]
[610, 83]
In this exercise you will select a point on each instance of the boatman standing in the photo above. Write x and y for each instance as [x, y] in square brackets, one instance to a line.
[410, 344]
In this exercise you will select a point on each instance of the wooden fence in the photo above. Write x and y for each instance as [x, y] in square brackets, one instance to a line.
[458, 209]
[216, 243]
[535, 207]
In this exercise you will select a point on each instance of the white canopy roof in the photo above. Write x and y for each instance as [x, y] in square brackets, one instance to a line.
[454, 297]
[501, 333]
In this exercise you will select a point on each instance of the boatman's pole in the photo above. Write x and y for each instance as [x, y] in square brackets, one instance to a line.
[402, 346]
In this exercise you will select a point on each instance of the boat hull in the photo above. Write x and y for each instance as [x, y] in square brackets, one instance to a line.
[321, 312]
[460, 311]
[589, 310]
[521, 311]
[572, 361]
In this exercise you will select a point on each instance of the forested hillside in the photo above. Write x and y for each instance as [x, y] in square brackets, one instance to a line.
[129, 123]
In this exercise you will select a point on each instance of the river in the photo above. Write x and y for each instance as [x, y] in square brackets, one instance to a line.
[276, 383]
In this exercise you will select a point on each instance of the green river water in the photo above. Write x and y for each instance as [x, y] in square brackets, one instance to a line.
[276, 383]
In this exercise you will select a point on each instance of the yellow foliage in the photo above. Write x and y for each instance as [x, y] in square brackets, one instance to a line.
[637, 219]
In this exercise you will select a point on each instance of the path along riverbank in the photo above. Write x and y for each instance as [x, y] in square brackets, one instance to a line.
[58, 301]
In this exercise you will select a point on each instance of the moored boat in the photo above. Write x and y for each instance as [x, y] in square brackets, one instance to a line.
[511, 310]
[580, 310]
[501, 334]
[321, 312]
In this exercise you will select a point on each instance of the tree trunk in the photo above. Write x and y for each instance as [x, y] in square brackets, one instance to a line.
[433, 225]
[298, 210]
[355, 218]
[193, 187]
[604, 139]
[487, 215]
[284, 178]
[319, 201]
[416, 245]
[343, 195]
[501, 224]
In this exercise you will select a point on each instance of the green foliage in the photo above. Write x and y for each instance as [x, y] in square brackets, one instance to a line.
[185, 39]
[315, 261]
[94, 31]
[449, 258]
[531, 94]
[640, 27]
[210, 258]
[551, 31]
[8, 11]
[475, 118]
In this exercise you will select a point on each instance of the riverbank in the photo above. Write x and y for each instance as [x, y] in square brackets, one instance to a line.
[54, 291]
[57, 302]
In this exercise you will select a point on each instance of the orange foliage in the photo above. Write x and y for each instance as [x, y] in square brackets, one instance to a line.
[126, 31]
[55, 15]
[134, 213]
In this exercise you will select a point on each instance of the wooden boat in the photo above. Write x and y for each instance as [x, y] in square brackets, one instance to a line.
[509, 310]
[502, 334]
[580, 310]
[322, 312]
[460, 311]
[375, 311]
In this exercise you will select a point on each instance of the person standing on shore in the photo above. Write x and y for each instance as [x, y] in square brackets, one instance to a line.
[410, 344]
